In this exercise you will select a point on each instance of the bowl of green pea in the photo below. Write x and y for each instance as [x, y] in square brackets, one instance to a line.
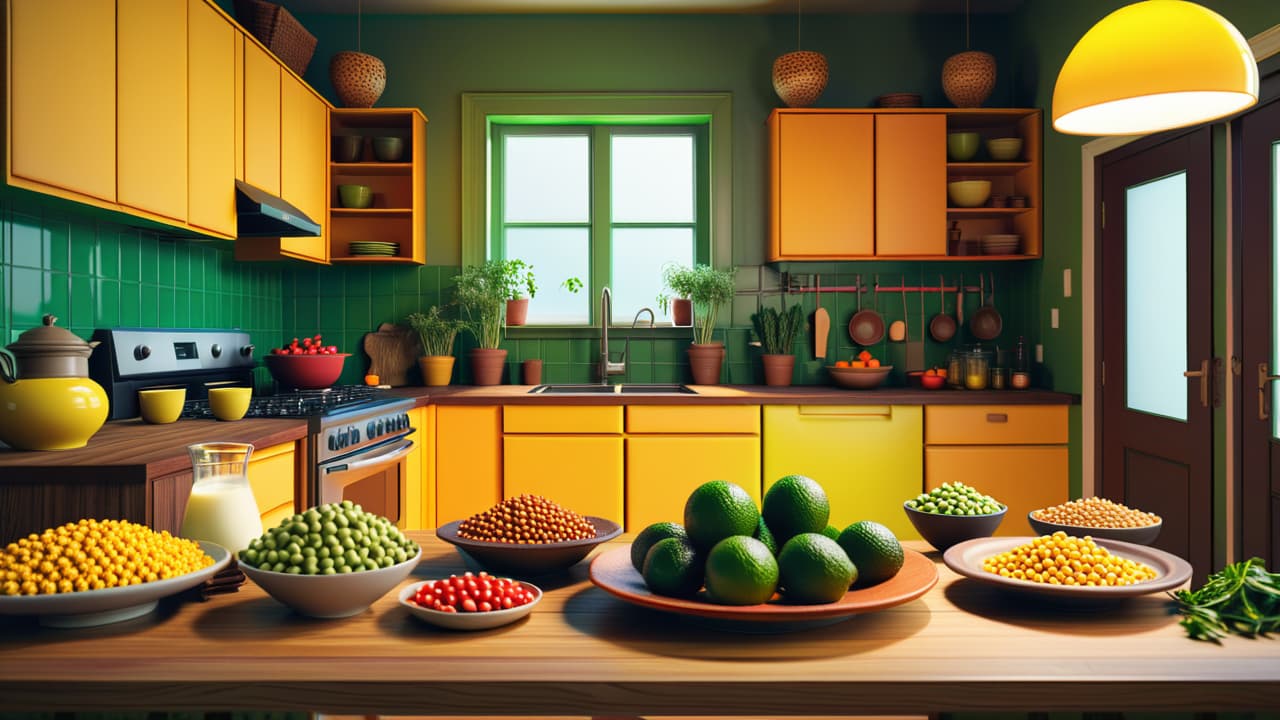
[954, 512]
[332, 561]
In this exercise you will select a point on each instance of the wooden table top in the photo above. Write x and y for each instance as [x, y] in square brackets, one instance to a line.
[962, 647]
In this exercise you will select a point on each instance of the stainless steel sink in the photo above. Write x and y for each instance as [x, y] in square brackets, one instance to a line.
[619, 389]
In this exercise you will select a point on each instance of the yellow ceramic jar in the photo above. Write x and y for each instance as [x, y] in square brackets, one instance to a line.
[51, 413]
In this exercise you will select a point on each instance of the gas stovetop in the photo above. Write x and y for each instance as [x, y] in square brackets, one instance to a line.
[299, 403]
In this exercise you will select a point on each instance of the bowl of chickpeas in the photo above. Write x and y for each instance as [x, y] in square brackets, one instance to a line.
[1099, 518]
[528, 536]
[332, 561]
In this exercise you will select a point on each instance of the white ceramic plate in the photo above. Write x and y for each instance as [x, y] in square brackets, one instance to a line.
[1171, 571]
[465, 620]
[99, 607]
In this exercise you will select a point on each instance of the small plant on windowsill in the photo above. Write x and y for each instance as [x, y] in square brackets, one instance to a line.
[482, 293]
[519, 287]
[777, 332]
[436, 333]
[679, 279]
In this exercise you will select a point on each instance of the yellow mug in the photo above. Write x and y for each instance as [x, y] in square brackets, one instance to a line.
[161, 405]
[229, 403]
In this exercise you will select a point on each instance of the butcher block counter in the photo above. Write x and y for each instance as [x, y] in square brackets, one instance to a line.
[964, 646]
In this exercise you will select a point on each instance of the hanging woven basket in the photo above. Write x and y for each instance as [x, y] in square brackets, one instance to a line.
[358, 78]
[800, 77]
[968, 78]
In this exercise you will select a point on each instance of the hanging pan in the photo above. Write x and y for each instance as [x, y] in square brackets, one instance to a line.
[986, 323]
[942, 327]
[866, 327]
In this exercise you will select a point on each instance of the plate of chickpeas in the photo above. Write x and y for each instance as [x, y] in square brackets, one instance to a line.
[95, 572]
[1068, 566]
[1099, 517]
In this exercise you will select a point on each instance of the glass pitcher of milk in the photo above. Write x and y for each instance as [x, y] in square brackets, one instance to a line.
[221, 508]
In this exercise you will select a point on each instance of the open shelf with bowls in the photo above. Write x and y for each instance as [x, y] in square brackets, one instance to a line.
[1011, 164]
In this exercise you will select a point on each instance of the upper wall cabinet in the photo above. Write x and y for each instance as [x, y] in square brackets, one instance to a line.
[872, 184]
[211, 119]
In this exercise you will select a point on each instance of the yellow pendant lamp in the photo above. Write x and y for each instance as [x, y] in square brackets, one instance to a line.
[1152, 66]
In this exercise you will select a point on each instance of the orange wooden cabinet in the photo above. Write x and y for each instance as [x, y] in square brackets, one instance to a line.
[1015, 453]
[468, 456]
[911, 182]
[570, 454]
[418, 491]
[261, 148]
[211, 119]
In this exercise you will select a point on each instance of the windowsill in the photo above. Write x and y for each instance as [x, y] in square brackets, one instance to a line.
[566, 332]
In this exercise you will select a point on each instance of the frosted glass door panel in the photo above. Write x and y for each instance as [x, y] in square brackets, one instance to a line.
[555, 254]
[638, 257]
[547, 178]
[1156, 296]
[652, 178]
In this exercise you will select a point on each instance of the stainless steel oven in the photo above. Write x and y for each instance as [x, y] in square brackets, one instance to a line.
[358, 454]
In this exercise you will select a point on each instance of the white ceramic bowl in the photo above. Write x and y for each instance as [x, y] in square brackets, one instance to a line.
[466, 620]
[331, 596]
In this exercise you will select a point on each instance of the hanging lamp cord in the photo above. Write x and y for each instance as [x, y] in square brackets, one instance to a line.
[359, 3]
[966, 24]
[799, 14]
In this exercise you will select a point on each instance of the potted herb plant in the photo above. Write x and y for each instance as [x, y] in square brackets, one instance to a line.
[678, 279]
[519, 287]
[482, 293]
[436, 333]
[707, 289]
[777, 332]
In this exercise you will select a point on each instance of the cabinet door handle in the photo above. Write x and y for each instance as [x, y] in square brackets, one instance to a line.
[874, 412]
[997, 417]
[1205, 378]
[1264, 382]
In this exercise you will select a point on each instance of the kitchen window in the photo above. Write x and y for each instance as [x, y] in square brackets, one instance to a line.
[606, 188]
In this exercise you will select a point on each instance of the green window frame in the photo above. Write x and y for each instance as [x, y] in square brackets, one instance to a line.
[489, 117]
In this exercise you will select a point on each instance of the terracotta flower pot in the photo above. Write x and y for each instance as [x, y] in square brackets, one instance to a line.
[968, 78]
[358, 78]
[705, 362]
[487, 365]
[517, 311]
[778, 368]
[436, 369]
[800, 77]
[531, 372]
[682, 312]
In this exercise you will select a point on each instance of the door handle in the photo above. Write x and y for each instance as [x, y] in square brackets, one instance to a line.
[1203, 375]
[1264, 381]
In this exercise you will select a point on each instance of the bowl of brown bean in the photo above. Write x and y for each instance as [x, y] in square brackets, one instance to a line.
[528, 536]
[1097, 517]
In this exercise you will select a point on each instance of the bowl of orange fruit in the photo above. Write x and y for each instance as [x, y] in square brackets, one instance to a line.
[934, 378]
[863, 372]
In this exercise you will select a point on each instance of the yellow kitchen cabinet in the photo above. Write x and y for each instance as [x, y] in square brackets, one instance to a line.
[419, 487]
[1014, 453]
[868, 458]
[304, 163]
[62, 97]
[545, 420]
[261, 118]
[821, 185]
[151, 107]
[911, 185]
[663, 469]
[273, 475]
[468, 460]
[211, 108]
[582, 473]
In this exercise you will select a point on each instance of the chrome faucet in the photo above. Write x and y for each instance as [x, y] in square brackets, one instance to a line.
[607, 366]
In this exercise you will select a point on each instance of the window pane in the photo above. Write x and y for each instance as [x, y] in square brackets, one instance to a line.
[638, 257]
[1156, 296]
[652, 178]
[547, 178]
[555, 254]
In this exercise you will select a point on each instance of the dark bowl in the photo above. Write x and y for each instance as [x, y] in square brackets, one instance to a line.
[306, 372]
[943, 531]
[1137, 535]
[530, 560]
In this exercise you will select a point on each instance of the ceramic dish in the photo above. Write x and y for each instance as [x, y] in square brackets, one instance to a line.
[1144, 535]
[943, 531]
[1171, 570]
[613, 572]
[467, 620]
[331, 596]
[109, 605]
[530, 560]
[859, 378]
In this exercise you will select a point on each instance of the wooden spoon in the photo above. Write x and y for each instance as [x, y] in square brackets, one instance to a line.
[821, 323]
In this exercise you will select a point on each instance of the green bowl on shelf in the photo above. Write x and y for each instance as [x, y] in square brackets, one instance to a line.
[962, 146]
[388, 149]
[355, 196]
[1004, 149]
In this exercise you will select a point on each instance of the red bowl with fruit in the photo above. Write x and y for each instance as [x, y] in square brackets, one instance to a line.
[923, 379]
[306, 372]
[416, 598]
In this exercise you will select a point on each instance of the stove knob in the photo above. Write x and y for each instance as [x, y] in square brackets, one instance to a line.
[216, 350]
[246, 350]
[333, 441]
[370, 429]
[404, 420]
[355, 434]
[142, 352]
[380, 427]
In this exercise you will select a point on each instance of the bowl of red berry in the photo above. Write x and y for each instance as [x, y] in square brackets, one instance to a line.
[306, 365]
[470, 601]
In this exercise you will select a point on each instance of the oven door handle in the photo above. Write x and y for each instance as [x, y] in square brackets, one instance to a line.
[391, 455]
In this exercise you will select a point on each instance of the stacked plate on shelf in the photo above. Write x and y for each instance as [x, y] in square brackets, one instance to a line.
[1001, 244]
[369, 247]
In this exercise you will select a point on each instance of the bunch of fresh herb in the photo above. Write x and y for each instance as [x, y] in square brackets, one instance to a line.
[777, 330]
[1242, 598]
[482, 293]
[435, 332]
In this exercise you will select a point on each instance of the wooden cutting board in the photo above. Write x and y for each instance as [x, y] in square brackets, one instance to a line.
[392, 351]
[821, 326]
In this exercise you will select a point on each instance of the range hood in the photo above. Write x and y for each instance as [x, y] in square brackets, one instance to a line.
[262, 214]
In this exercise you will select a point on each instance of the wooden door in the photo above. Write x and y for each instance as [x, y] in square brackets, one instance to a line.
[211, 107]
[822, 185]
[62, 94]
[304, 164]
[261, 118]
[1154, 322]
[1257, 139]
[911, 185]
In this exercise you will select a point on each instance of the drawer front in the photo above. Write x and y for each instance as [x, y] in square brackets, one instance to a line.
[271, 477]
[663, 470]
[590, 419]
[582, 474]
[709, 419]
[1024, 477]
[995, 425]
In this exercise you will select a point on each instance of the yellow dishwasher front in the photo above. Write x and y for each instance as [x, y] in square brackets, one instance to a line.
[869, 458]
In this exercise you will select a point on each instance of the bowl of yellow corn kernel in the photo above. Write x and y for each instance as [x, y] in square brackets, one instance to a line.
[95, 572]
[1068, 566]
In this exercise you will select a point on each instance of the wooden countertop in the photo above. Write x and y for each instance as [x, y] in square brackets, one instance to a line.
[962, 647]
[133, 446]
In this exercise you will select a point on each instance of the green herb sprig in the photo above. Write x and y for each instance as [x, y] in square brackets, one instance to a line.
[1243, 598]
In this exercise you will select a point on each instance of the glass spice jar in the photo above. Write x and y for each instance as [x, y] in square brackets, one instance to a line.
[955, 368]
[977, 370]
[997, 380]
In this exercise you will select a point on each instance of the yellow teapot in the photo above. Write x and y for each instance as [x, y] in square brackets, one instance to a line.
[53, 405]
